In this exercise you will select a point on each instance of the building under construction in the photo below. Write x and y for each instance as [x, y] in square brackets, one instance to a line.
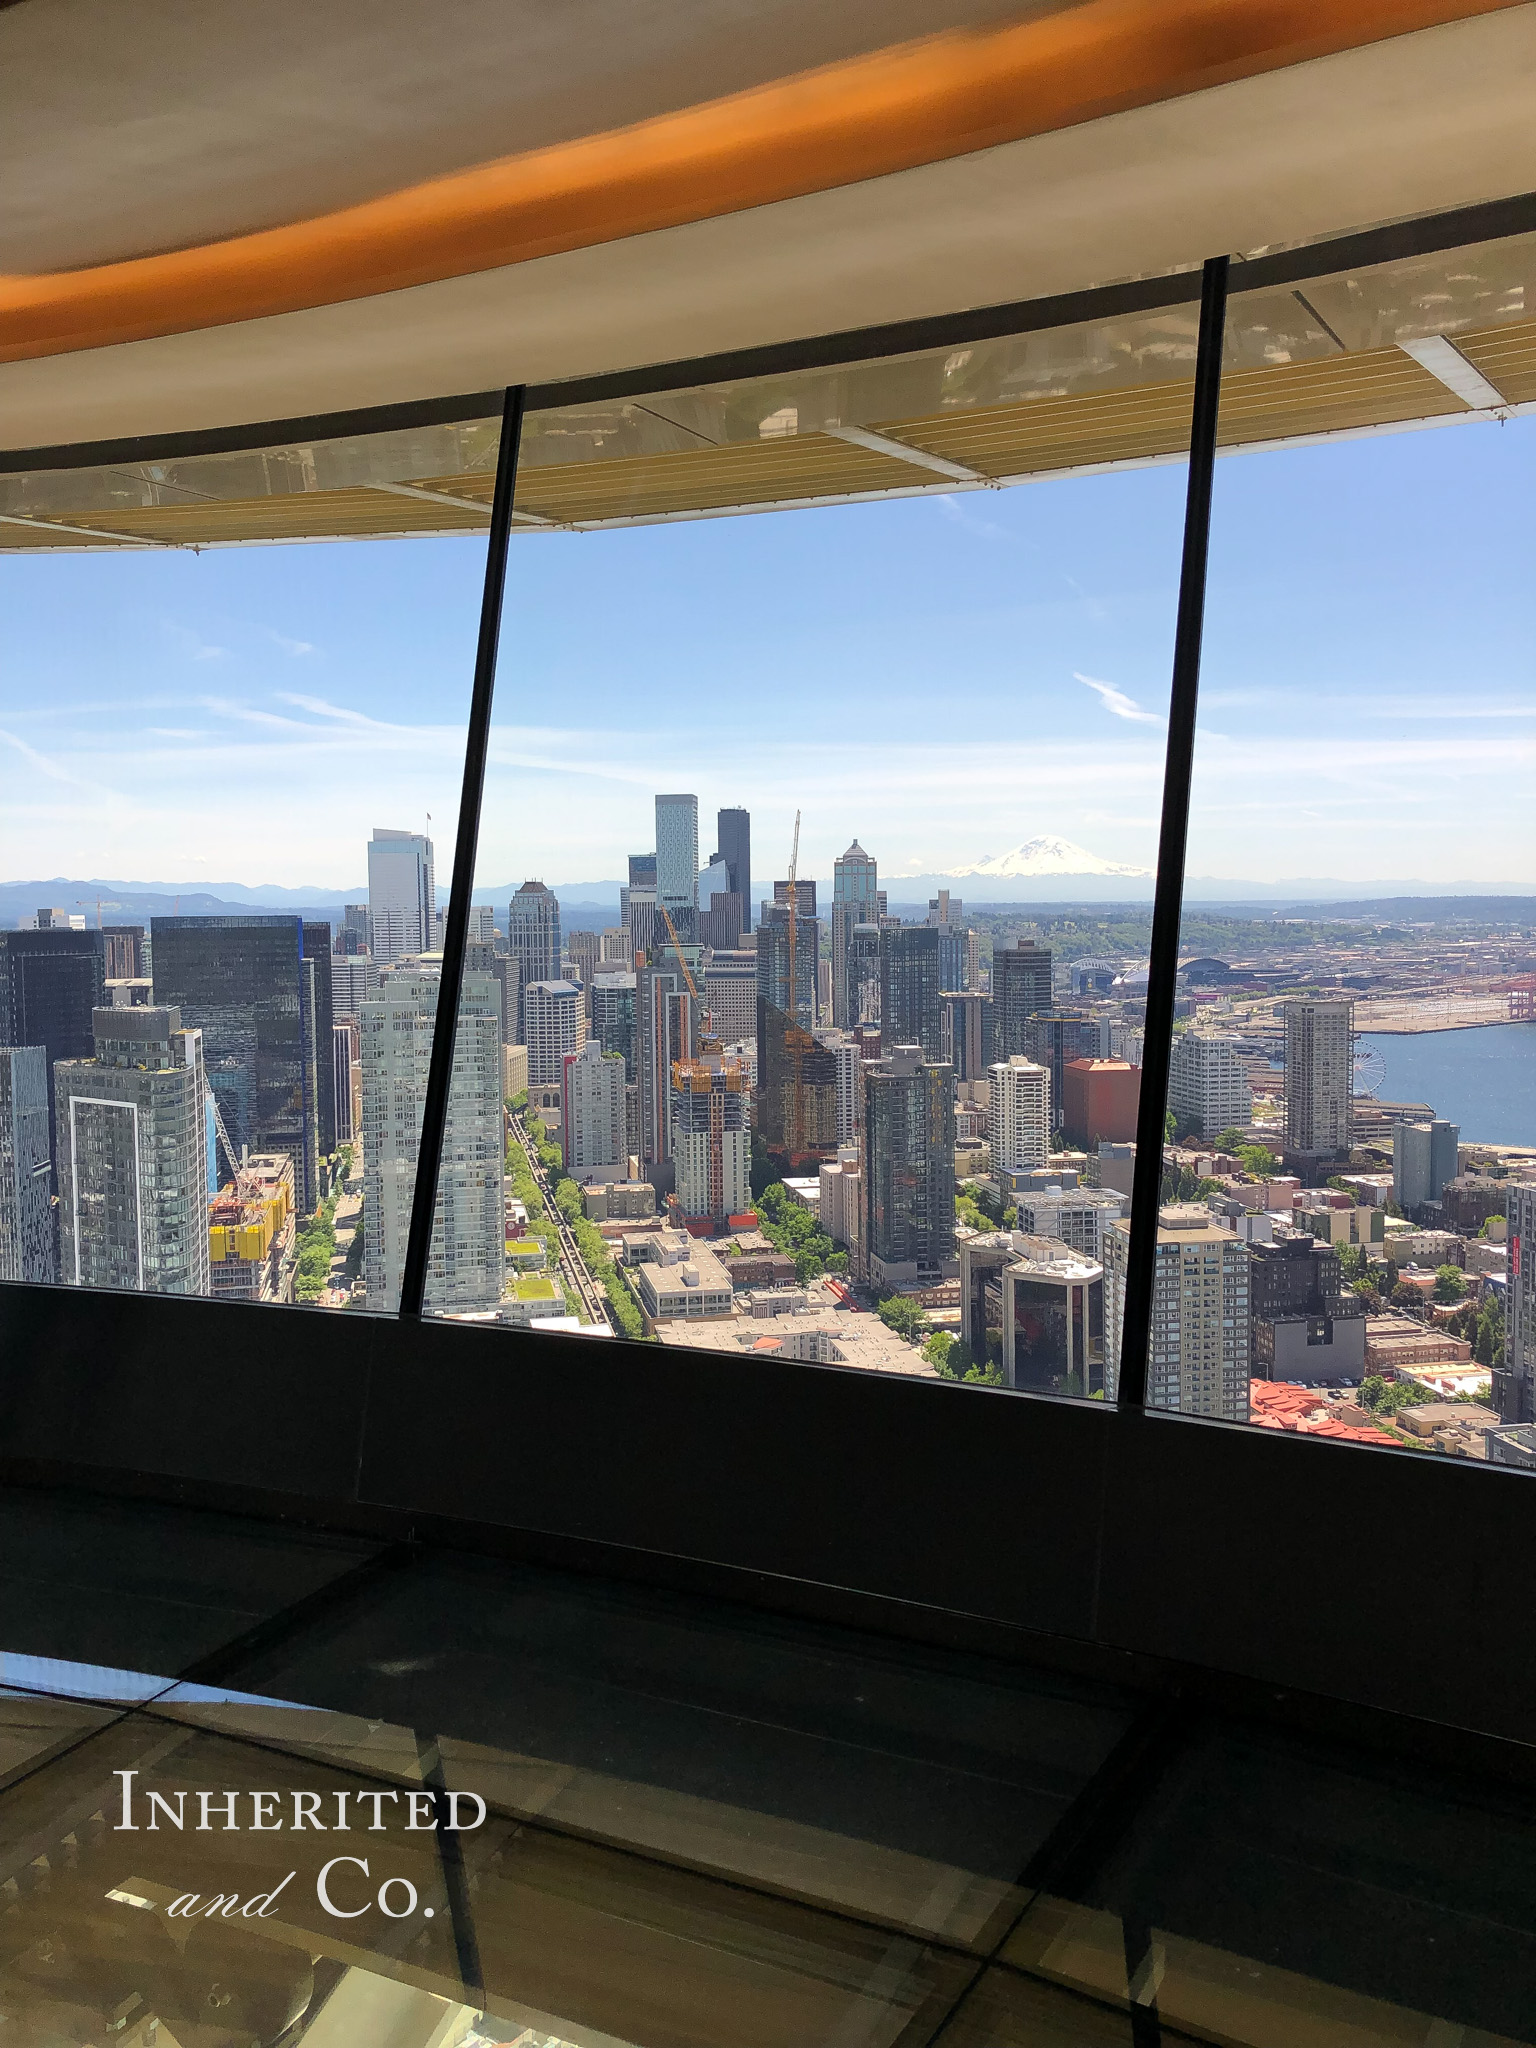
[712, 1138]
[252, 1231]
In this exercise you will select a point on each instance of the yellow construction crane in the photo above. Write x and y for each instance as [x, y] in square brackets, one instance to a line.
[706, 1017]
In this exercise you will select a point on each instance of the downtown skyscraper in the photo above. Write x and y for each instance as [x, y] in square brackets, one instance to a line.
[677, 862]
[402, 894]
[533, 941]
[244, 981]
[855, 901]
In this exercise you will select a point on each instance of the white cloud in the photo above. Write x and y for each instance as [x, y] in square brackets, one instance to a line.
[1116, 701]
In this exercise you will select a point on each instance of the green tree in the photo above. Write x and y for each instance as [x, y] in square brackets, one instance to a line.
[1257, 1160]
[1230, 1140]
[899, 1312]
[1170, 1126]
[1450, 1283]
[1405, 1295]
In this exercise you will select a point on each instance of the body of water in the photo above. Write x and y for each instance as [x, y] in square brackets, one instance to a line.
[1484, 1080]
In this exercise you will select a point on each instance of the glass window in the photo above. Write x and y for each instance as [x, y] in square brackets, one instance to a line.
[1352, 1121]
[232, 764]
[816, 860]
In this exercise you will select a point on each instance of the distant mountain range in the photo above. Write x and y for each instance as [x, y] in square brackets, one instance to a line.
[1044, 870]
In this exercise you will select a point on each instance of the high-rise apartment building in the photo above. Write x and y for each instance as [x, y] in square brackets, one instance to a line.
[968, 1033]
[402, 894]
[1021, 989]
[1208, 1089]
[1055, 1038]
[133, 1156]
[552, 1027]
[594, 1138]
[346, 1080]
[1424, 1158]
[1319, 1077]
[1018, 1115]
[50, 984]
[611, 1001]
[1199, 1359]
[855, 901]
[850, 1084]
[711, 1138]
[533, 941]
[353, 977]
[317, 952]
[466, 1262]
[243, 981]
[584, 950]
[911, 991]
[1514, 1385]
[796, 1076]
[733, 841]
[26, 1212]
[909, 1152]
[677, 863]
[729, 989]
[666, 1030]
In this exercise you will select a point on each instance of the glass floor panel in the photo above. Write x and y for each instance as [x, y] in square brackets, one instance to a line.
[438, 1802]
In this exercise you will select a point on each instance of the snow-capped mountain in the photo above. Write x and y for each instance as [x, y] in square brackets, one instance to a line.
[1048, 855]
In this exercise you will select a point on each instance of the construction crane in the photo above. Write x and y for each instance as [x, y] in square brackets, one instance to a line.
[228, 1149]
[706, 1017]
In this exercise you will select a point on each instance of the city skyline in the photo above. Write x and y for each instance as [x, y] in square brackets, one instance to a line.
[331, 684]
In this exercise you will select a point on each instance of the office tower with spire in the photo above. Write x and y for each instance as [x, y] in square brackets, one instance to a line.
[909, 1150]
[467, 1259]
[733, 840]
[855, 901]
[50, 983]
[1021, 989]
[402, 894]
[677, 863]
[911, 994]
[133, 1156]
[534, 942]
[26, 1213]
[242, 979]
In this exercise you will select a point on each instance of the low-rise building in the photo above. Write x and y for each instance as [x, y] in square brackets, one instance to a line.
[531, 1298]
[1397, 1344]
[627, 1200]
[676, 1276]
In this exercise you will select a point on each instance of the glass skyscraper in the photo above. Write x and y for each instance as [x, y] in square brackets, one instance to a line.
[677, 862]
[243, 981]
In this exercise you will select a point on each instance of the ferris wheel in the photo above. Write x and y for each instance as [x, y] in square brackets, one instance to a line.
[1370, 1070]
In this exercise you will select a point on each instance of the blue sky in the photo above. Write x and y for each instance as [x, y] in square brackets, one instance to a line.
[944, 677]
